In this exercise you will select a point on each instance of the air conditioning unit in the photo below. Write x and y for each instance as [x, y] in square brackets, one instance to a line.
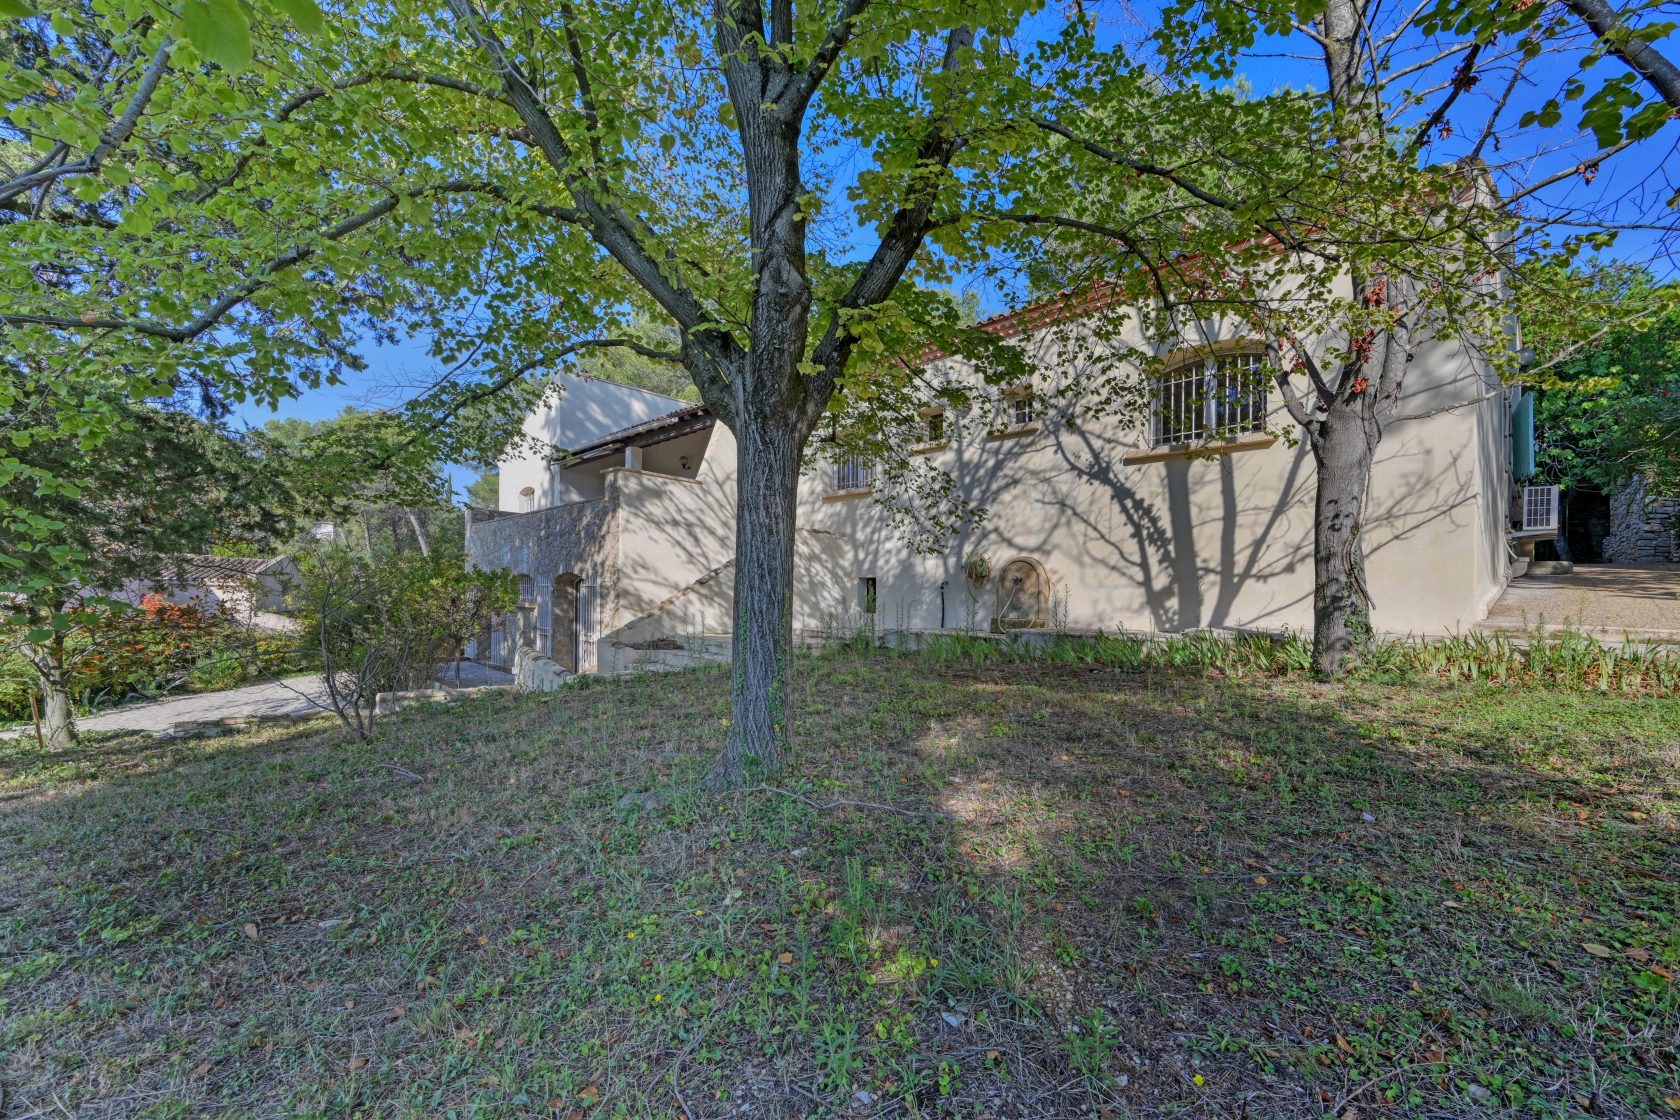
[1540, 510]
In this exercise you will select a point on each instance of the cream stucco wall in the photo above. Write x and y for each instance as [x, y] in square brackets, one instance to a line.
[1157, 543]
[585, 410]
[1220, 540]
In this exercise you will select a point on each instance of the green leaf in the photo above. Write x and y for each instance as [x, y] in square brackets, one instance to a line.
[220, 31]
[15, 9]
[304, 14]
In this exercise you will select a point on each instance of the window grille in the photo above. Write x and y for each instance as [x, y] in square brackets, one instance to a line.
[1212, 399]
[854, 472]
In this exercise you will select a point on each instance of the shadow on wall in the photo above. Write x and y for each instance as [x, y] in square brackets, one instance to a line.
[1217, 540]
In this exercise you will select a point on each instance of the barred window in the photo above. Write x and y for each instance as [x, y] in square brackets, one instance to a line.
[853, 472]
[1212, 399]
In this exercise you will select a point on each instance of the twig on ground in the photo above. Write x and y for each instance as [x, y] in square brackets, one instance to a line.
[823, 806]
[401, 770]
[1381, 1077]
[676, 1068]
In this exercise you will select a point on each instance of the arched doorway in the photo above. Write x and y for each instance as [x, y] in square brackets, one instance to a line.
[563, 626]
[1023, 596]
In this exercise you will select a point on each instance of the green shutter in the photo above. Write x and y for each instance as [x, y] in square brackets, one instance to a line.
[1522, 437]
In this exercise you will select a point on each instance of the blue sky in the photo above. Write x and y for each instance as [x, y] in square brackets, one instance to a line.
[1639, 176]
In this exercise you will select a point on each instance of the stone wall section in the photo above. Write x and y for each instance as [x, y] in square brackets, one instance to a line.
[580, 539]
[1644, 528]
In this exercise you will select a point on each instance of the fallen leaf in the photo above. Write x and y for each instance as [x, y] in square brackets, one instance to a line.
[590, 1093]
[784, 958]
[358, 1063]
[202, 1070]
[251, 930]
[1598, 950]
[1639, 954]
[1260, 880]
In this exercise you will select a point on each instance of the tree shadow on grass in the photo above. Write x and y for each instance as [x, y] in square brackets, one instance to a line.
[1145, 893]
[1243, 880]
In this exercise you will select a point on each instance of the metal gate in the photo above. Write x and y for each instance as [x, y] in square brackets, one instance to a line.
[588, 623]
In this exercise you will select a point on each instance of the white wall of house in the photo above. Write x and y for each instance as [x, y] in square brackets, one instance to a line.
[585, 410]
[675, 530]
[1127, 534]
[1148, 541]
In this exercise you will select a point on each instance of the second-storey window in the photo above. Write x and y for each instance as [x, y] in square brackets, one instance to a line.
[853, 472]
[1209, 399]
[935, 427]
[1023, 410]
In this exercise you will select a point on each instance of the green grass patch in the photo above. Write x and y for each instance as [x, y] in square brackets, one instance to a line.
[1129, 890]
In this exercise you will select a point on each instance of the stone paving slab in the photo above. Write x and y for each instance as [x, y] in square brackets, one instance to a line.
[1639, 600]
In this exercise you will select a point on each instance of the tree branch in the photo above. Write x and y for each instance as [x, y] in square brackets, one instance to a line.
[225, 303]
[839, 34]
[903, 238]
[485, 392]
[612, 229]
[109, 141]
[1619, 39]
[295, 103]
[1462, 80]
[1167, 173]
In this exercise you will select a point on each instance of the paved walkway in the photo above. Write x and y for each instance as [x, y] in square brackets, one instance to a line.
[1639, 600]
[288, 697]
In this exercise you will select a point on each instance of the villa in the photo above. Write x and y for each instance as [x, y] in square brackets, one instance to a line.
[1195, 516]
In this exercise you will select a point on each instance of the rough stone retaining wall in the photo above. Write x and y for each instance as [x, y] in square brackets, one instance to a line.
[1643, 529]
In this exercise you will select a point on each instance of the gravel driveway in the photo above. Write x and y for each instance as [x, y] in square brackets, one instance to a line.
[288, 697]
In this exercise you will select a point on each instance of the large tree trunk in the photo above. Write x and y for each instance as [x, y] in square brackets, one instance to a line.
[766, 509]
[1364, 394]
[1341, 616]
[53, 677]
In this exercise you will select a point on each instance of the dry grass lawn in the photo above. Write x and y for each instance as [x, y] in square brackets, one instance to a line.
[1111, 894]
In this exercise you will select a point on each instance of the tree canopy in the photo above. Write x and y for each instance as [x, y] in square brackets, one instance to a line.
[224, 202]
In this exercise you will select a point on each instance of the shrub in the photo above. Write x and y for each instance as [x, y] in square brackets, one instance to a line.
[382, 625]
[1566, 659]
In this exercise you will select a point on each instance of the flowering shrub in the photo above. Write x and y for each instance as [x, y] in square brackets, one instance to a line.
[119, 652]
[131, 651]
